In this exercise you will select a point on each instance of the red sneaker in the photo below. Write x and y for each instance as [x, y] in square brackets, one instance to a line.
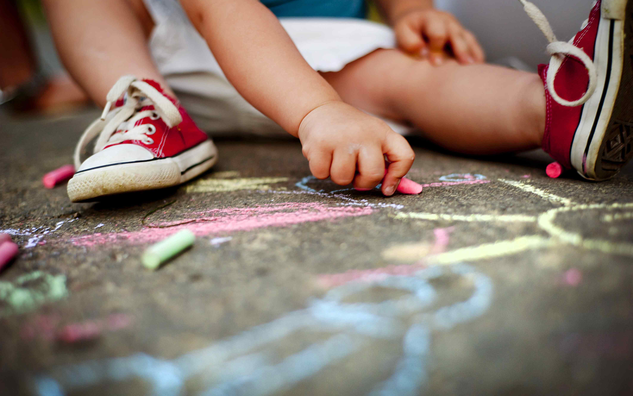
[147, 141]
[589, 91]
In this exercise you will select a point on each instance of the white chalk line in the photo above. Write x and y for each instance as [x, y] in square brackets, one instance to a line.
[36, 233]
[468, 218]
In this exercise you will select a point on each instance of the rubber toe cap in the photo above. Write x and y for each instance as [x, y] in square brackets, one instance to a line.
[119, 154]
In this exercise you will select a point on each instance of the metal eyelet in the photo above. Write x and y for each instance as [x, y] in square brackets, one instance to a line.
[151, 129]
[148, 141]
[154, 116]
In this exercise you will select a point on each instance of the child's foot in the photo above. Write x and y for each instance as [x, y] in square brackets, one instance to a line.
[589, 91]
[147, 141]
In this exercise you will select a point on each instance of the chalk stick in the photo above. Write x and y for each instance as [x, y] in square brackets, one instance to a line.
[410, 187]
[162, 251]
[554, 170]
[5, 238]
[60, 175]
[406, 186]
[8, 250]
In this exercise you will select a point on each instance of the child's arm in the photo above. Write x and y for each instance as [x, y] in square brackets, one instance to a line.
[260, 60]
[421, 29]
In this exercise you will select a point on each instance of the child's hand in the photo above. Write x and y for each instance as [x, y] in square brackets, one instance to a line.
[348, 145]
[427, 31]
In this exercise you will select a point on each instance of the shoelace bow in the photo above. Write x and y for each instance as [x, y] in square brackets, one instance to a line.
[139, 94]
[559, 50]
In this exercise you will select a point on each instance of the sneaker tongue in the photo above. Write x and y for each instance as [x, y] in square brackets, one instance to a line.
[159, 88]
[154, 84]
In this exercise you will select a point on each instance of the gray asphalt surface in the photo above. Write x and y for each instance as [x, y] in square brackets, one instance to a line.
[495, 280]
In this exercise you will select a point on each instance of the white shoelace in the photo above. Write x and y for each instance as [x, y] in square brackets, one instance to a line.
[139, 94]
[559, 50]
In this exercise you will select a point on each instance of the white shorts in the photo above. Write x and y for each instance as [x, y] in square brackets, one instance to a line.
[184, 58]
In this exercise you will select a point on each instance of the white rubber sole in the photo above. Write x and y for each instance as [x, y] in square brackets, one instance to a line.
[142, 176]
[604, 108]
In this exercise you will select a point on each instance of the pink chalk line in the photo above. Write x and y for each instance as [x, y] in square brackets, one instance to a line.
[48, 327]
[228, 220]
[442, 238]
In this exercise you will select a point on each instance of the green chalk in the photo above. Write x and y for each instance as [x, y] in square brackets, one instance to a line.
[162, 251]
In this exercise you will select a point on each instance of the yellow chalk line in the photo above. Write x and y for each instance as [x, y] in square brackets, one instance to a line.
[617, 217]
[546, 222]
[224, 185]
[467, 218]
[491, 250]
[537, 191]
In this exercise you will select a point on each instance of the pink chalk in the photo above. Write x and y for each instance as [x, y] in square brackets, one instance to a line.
[79, 332]
[554, 170]
[573, 277]
[53, 178]
[5, 238]
[8, 250]
[223, 221]
[407, 186]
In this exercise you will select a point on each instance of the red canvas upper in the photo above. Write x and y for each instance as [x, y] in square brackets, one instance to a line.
[571, 83]
[168, 142]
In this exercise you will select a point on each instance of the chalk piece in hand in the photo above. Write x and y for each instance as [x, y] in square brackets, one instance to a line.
[407, 186]
[8, 250]
[53, 178]
[162, 251]
[5, 238]
[554, 170]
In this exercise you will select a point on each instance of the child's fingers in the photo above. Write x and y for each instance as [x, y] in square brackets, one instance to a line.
[475, 48]
[371, 169]
[409, 37]
[400, 155]
[460, 46]
[343, 167]
[437, 34]
[320, 164]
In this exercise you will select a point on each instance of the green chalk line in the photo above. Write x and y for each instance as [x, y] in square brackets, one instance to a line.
[19, 300]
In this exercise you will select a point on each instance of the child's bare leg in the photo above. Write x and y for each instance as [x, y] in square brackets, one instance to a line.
[100, 41]
[477, 109]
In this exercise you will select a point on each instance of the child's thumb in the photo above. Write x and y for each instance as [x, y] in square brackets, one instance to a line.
[400, 157]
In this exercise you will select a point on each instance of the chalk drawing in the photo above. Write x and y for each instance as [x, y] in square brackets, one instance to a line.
[471, 218]
[30, 291]
[491, 250]
[246, 363]
[572, 277]
[223, 221]
[547, 222]
[610, 218]
[455, 179]
[541, 193]
[36, 233]
[49, 327]
[218, 241]
[462, 177]
[473, 253]
[225, 185]
[225, 174]
[416, 251]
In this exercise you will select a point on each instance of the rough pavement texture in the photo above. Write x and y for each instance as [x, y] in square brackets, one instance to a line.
[495, 280]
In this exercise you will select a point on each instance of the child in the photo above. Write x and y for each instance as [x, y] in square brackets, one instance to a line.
[582, 115]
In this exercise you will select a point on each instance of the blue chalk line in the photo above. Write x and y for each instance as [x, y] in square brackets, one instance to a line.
[242, 365]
